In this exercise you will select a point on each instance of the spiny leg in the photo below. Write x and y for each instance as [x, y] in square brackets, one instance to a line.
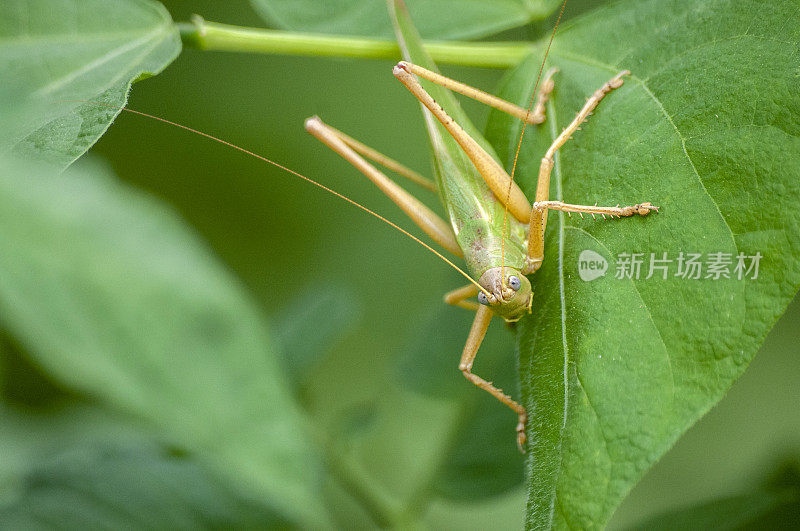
[538, 218]
[424, 217]
[616, 211]
[458, 297]
[476, 334]
[546, 166]
[536, 116]
[492, 172]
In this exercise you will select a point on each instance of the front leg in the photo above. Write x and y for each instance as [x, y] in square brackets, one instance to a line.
[616, 211]
[460, 297]
[476, 334]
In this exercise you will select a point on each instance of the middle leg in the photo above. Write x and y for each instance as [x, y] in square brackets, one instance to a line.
[538, 218]
[483, 316]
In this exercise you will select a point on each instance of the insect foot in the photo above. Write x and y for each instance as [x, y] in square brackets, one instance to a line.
[521, 437]
[642, 209]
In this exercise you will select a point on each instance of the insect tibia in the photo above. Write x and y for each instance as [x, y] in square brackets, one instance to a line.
[616, 211]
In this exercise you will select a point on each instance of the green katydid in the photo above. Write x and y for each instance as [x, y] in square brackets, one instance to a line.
[499, 249]
[478, 194]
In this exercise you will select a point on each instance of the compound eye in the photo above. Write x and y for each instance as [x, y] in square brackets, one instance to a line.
[514, 282]
[482, 298]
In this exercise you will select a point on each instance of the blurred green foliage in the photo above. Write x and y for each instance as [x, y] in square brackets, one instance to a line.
[382, 375]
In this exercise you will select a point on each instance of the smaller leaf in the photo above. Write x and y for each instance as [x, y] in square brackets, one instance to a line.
[53, 54]
[437, 19]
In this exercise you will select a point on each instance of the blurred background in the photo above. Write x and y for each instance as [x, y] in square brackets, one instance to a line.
[287, 240]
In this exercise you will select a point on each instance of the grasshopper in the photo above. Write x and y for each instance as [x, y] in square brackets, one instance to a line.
[477, 192]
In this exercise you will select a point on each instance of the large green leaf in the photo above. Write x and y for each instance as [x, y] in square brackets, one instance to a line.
[55, 53]
[113, 295]
[435, 19]
[614, 370]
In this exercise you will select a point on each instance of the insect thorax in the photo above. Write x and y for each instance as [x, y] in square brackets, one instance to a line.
[483, 249]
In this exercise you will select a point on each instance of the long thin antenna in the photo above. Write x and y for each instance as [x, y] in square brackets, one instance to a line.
[519, 143]
[308, 179]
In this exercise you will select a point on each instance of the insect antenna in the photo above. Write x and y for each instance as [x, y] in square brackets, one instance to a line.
[297, 174]
[519, 146]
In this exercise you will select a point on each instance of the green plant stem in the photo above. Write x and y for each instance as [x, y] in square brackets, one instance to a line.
[344, 471]
[223, 37]
[380, 508]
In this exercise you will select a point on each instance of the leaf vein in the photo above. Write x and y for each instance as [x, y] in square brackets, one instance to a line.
[562, 296]
[72, 75]
[685, 152]
[599, 422]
